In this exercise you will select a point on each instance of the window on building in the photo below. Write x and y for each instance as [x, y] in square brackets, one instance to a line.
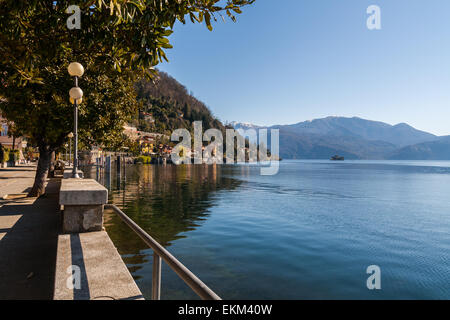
[4, 130]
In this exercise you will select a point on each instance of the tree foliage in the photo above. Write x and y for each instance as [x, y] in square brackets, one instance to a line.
[171, 106]
[122, 33]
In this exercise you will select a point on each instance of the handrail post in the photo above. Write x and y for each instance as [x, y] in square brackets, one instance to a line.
[156, 277]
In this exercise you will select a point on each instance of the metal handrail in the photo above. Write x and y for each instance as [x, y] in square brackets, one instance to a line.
[159, 252]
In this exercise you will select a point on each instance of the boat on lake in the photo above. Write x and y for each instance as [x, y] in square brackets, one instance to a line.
[337, 158]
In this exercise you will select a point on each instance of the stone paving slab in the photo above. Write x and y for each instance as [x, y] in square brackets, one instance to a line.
[99, 272]
[16, 180]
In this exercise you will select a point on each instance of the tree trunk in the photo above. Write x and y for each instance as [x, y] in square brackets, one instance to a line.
[45, 155]
[14, 143]
[51, 171]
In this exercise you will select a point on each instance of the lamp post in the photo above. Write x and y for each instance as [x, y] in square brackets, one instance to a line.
[76, 94]
[65, 156]
[70, 135]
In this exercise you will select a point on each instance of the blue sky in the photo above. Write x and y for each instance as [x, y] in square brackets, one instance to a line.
[286, 61]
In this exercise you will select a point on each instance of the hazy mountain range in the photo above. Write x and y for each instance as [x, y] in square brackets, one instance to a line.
[356, 138]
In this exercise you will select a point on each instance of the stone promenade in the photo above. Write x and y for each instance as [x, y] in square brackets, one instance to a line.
[28, 236]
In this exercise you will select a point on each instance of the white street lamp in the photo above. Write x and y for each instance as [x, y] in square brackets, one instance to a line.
[65, 147]
[76, 93]
[76, 70]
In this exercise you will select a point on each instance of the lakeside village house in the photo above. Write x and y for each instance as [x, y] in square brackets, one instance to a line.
[148, 141]
[149, 144]
[17, 143]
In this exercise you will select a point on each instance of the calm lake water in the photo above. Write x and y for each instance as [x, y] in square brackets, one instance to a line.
[309, 232]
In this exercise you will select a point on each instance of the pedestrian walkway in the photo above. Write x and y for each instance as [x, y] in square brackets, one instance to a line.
[28, 236]
[16, 179]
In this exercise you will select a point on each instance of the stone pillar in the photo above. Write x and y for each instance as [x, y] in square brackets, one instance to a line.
[83, 201]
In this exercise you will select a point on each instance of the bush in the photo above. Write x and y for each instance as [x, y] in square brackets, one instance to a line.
[4, 157]
[14, 155]
[7, 155]
[144, 159]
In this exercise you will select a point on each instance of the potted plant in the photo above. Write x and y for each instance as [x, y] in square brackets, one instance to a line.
[13, 158]
[5, 158]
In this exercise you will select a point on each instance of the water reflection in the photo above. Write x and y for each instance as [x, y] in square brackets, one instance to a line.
[166, 201]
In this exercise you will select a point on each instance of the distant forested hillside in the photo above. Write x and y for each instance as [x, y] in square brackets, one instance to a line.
[166, 105]
[433, 150]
